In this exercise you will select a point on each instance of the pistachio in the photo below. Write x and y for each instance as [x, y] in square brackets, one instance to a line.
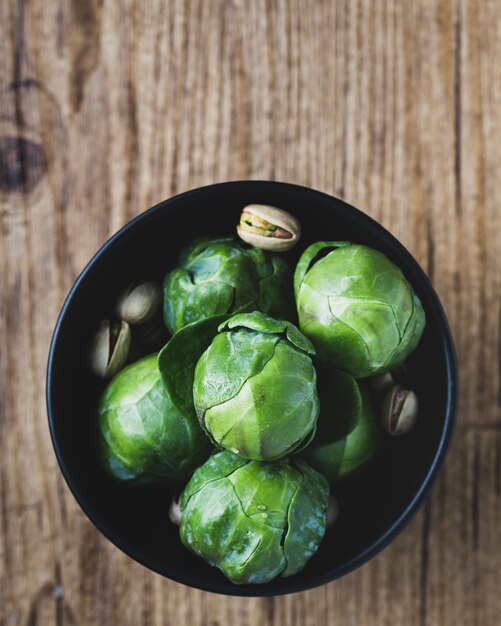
[332, 511]
[139, 303]
[110, 348]
[175, 511]
[380, 383]
[400, 410]
[268, 228]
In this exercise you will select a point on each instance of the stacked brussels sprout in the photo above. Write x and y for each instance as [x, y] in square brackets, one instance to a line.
[249, 414]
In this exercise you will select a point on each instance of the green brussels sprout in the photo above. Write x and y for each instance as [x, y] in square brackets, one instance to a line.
[254, 520]
[337, 457]
[145, 438]
[357, 308]
[276, 293]
[340, 403]
[255, 388]
[220, 276]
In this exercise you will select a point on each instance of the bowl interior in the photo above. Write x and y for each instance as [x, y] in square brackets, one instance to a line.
[374, 505]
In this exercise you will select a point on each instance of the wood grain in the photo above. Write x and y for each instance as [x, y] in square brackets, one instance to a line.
[107, 108]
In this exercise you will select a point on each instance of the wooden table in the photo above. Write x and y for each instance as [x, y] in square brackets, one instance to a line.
[107, 108]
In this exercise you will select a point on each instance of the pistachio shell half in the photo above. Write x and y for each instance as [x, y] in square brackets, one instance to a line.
[110, 348]
[399, 411]
[175, 511]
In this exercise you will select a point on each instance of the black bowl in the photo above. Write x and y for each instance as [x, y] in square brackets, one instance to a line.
[375, 505]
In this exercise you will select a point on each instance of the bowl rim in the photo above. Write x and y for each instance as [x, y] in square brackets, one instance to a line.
[225, 587]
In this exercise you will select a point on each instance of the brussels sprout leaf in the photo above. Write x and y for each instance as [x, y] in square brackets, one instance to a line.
[308, 256]
[340, 404]
[178, 358]
[263, 323]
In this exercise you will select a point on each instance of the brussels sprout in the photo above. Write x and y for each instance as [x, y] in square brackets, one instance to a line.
[254, 520]
[340, 403]
[357, 308]
[145, 438]
[219, 276]
[336, 457]
[276, 292]
[255, 388]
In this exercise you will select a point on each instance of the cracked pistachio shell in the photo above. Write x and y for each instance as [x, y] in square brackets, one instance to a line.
[268, 228]
[110, 348]
[255, 388]
[399, 411]
[220, 276]
[341, 457]
[253, 520]
[357, 307]
[144, 437]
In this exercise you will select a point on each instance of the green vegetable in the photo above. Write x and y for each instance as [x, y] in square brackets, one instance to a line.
[255, 388]
[357, 308]
[145, 438]
[253, 520]
[178, 358]
[337, 457]
[340, 403]
[220, 276]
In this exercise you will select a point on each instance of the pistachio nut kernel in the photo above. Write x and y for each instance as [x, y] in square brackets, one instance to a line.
[110, 348]
[268, 228]
[400, 410]
[139, 303]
